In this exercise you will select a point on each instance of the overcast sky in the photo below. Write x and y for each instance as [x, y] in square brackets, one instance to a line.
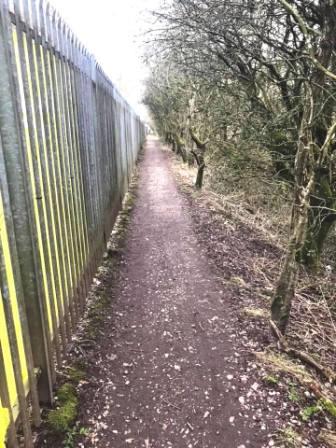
[113, 30]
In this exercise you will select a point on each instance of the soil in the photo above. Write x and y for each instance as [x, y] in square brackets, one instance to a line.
[174, 363]
[169, 371]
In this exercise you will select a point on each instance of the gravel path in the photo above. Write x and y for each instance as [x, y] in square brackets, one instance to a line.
[167, 363]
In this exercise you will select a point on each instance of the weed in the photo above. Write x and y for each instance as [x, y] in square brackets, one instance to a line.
[308, 412]
[328, 406]
[72, 435]
[76, 374]
[271, 380]
[293, 394]
[289, 438]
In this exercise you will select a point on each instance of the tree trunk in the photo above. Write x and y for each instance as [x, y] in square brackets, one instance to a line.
[200, 172]
[225, 133]
[285, 288]
[284, 293]
[180, 148]
[310, 157]
[311, 252]
[182, 152]
[304, 184]
[190, 159]
[321, 219]
[199, 157]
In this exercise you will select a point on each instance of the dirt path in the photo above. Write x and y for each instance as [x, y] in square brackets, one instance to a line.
[167, 373]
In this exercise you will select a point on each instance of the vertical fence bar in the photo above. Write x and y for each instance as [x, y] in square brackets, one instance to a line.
[77, 158]
[76, 174]
[10, 430]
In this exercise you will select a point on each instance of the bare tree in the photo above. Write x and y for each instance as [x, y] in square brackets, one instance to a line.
[280, 56]
[314, 151]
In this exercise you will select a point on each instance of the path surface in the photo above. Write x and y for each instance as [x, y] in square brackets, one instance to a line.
[166, 361]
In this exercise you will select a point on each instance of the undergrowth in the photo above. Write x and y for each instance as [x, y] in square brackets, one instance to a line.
[261, 204]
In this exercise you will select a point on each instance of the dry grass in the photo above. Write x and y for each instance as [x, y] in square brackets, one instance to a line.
[256, 313]
[288, 438]
[313, 320]
[328, 437]
[281, 363]
[313, 326]
[242, 205]
[263, 201]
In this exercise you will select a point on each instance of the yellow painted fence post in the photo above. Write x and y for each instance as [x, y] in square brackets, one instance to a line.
[4, 423]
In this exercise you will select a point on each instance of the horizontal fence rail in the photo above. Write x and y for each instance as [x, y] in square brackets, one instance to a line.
[68, 144]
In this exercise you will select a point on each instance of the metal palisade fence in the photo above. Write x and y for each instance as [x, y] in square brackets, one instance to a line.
[68, 144]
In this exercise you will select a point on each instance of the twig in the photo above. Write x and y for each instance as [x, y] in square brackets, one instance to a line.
[190, 426]
[171, 404]
[325, 371]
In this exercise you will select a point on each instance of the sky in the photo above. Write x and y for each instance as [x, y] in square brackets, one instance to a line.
[114, 31]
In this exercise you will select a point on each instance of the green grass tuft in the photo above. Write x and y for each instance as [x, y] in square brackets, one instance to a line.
[329, 406]
[76, 374]
[309, 412]
[271, 380]
[61, 419]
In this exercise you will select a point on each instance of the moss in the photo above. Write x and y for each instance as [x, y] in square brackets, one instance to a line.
[95, 316]
[61, 419]
[308, 412]
[271, 380]
[329, 406]
[66, 393]
[130, 201]
[293, 394]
